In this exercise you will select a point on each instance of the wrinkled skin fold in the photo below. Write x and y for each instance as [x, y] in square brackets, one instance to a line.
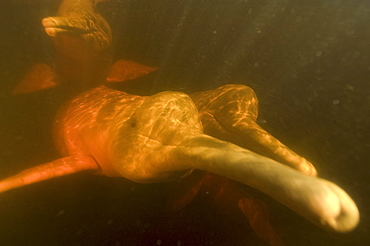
[164, 137]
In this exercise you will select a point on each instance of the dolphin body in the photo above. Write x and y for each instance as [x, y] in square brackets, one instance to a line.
[161, 138]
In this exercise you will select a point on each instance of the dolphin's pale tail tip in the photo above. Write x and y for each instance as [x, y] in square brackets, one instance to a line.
[57, 168]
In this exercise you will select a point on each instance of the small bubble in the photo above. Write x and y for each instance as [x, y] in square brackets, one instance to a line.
[350, 87]
[256, 64]
[178, 243]
[335, 101]
[159, 242]
[318, 53]
[61, 212]
[214, 32]
[207, 192]
[109, 222]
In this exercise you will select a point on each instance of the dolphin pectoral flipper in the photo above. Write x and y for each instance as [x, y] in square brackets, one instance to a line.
[53, 169]
[39, 77]
[123, 70]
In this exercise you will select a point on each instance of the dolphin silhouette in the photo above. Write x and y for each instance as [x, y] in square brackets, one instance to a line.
[160, 138]
[82, 39]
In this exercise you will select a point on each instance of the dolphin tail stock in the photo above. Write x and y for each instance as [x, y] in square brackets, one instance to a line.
[318, 200]
[57, 168]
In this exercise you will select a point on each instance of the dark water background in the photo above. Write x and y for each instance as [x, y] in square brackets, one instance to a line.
[308, 61]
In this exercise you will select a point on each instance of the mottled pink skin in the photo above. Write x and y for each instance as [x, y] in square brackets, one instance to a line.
[160, 138]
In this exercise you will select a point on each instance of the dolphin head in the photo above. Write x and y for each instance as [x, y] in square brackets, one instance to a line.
[82, 39]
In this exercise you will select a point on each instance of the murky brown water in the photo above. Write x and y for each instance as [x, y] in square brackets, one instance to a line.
[309, 64]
